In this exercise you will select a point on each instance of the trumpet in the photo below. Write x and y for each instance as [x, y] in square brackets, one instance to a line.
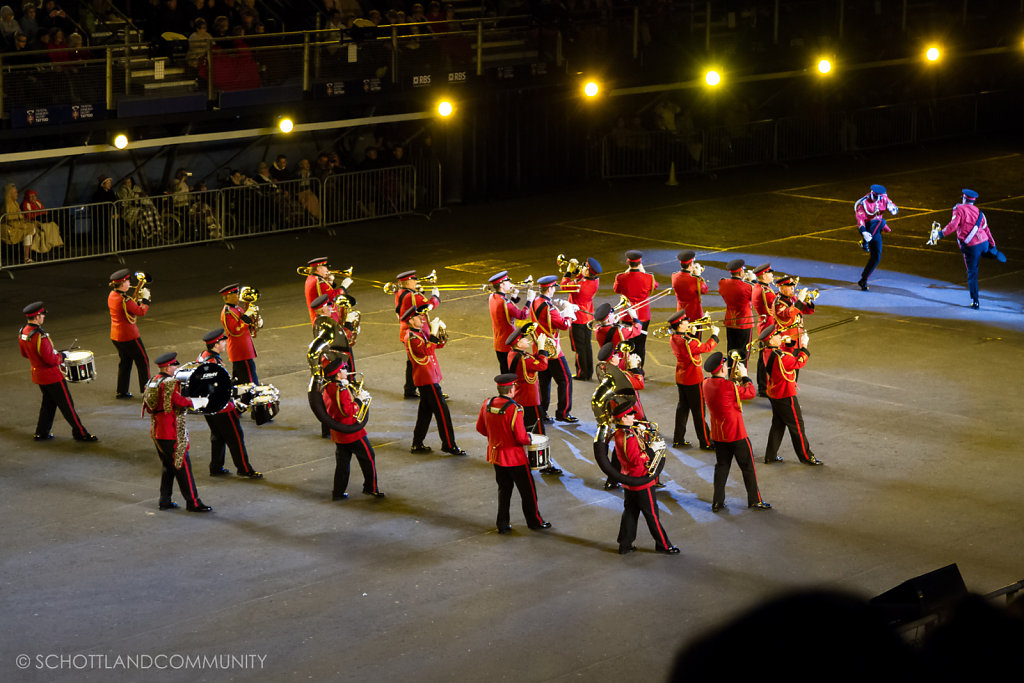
[808, 294]
[306, 271]
[749, 276]
[141, 291]
[440, 330]
[696, 269]
[250, 295]
[569, 267]
[737, 371]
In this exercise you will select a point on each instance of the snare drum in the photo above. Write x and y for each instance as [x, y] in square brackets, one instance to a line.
[79, 366]
[266, 403]
[539, 451]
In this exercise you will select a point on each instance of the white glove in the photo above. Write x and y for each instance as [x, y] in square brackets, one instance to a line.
[866, 235]
[330, 278]
[802, 296]
[346, 283]
[741, 369]
[542, 340]
[435, 292]
[530, 296]
[895, 210]
[633, 361]
[435, 325]
[804, 339]
[200, 402]
[144, 294]
[514, 294]
[715, 330]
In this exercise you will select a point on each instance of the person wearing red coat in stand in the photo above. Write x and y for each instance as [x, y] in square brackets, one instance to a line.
[581, 287]
[238, 325]
[408, 296]
[504, 313]
[687, 348]
[783, 358]
[420, 343]
[637, 285]
[550, 321]
[728, 432]
[689, 286]
[162, 399]
[35, 345]
[321, 281]
[225, 426]
[616, 328]
[124, 333]
[501, 421]
[636, 500]
[764, 308]
[341, 405]
[737, 293]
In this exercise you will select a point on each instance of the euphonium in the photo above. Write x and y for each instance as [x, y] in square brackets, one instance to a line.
[735, 373]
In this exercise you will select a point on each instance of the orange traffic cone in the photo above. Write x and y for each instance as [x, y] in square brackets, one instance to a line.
[672, 182]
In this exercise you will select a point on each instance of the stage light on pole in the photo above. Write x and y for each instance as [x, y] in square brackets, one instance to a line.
[712, 78]
[932, 54]
[591, 89]
[824, 66]
[445, 108]
[286, 124]
[120, 141]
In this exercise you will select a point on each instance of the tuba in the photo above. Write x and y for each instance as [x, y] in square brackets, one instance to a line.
[330, 343]
[249, 296]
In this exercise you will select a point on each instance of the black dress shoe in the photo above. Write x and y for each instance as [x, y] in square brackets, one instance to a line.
[671, 550]
[86, 437]
[220, 473]
[626, 549]
[200, 508]
[545, 525]
[681, 444]
[813, 461]
[551, 469]
[412, 395]
[568, 418]
[611, 485]
[43, 437]
[975, 304]
[717, 507]
[252, 475]
[547, 420]
[169, 506]
[769, 459]
[504, 529]
[339, 496]
[658, 485]
[708, 447]
[453, 451]
[763, 393]
[375, 494]
[761, 505]
[863, 284]
[420, 448]
[125, 395]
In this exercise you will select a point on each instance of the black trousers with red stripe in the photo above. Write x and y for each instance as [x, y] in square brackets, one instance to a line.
[130, 353]
[691, 402]
[533, 420]
[786, 414]
[725, 452]
[432, 404]
[186, 480]
[558, 369]
[521, 478]
[56, 395]
[580, 336]
[244, 371]
[366, 458]
[226, 431]
[502, 362]
[738, 340]
[635, 503]
[640, 342]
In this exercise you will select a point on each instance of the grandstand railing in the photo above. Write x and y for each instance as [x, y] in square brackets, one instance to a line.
[629, 154]
[170, 220]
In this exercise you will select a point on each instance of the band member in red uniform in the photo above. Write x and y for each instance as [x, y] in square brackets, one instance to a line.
[974, 237]
[782, 365]
[737, 293]
[165, 404]
[550, 321]
[689, 285]
[789, 309]
[635, 499]
[501, 421]
[687, 347]
[341, 405]
[408, 296]
[728, 432]
[238, 325]
[764, 307]
[504, 314]
[636, 284]
[527, 360]
[420, 343]
[616, 327]
[34, 344]
[124, 333]
[629, 363]
[581, 287]
[225, 427]
[321, 281]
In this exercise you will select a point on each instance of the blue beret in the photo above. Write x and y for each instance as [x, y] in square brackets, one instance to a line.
[878, 189]
[547, 280]
[595, 267]
[498, 277]
[970, 194]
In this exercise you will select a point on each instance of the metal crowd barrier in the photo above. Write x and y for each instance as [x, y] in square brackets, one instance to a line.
[113, 228]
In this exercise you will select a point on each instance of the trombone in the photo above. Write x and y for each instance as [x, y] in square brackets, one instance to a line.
[666, 330]
[306, 271]
[430, 279]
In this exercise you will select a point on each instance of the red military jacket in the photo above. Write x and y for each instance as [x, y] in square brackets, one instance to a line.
[209, 356]
[240, 346]
[764, 303]
[123, 312]
[617, 333]
[688, 289]
[35, 345]
[406, 299]
[315, 286]
[549, 320]
[501, 421]
[165, 422]
[782, 367]
[737, 295]
[526, 391]
[341, 405]
[789, 315]
[723, 398]
[632, 459]
[687, 350]
[636, 287]
[425, 368]
[504, 313]
[583, 296]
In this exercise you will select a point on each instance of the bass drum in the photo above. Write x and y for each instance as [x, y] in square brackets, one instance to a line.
[205, 380]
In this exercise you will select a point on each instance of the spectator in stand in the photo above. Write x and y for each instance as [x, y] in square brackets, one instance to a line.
[279, 170]
[221, 27]
[42, 39]
[20, 44]
[208, 10]
[250, 20]
[231, 10]
[140, 216]
[54, 15]
[170, 19]
[434, 13]
[8, 27]
[103, 214]
[198, 43]
[307, 189]
[14, 229]
[47, 232]
[323, 167]
[28, 21]
[456, 50]
[241, 200]
[59, 52]
[372, 160]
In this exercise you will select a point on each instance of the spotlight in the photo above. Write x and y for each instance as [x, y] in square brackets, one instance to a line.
[932, 54]
[712, 77]
[120, 141]
[824, 66]
[285, 124]
[445, 108]
[591, 89]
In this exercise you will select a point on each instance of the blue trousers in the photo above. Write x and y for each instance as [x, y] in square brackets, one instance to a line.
[874, 248]
[972, 255]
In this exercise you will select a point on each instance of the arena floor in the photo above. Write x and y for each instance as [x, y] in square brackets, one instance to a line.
[913, 407]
